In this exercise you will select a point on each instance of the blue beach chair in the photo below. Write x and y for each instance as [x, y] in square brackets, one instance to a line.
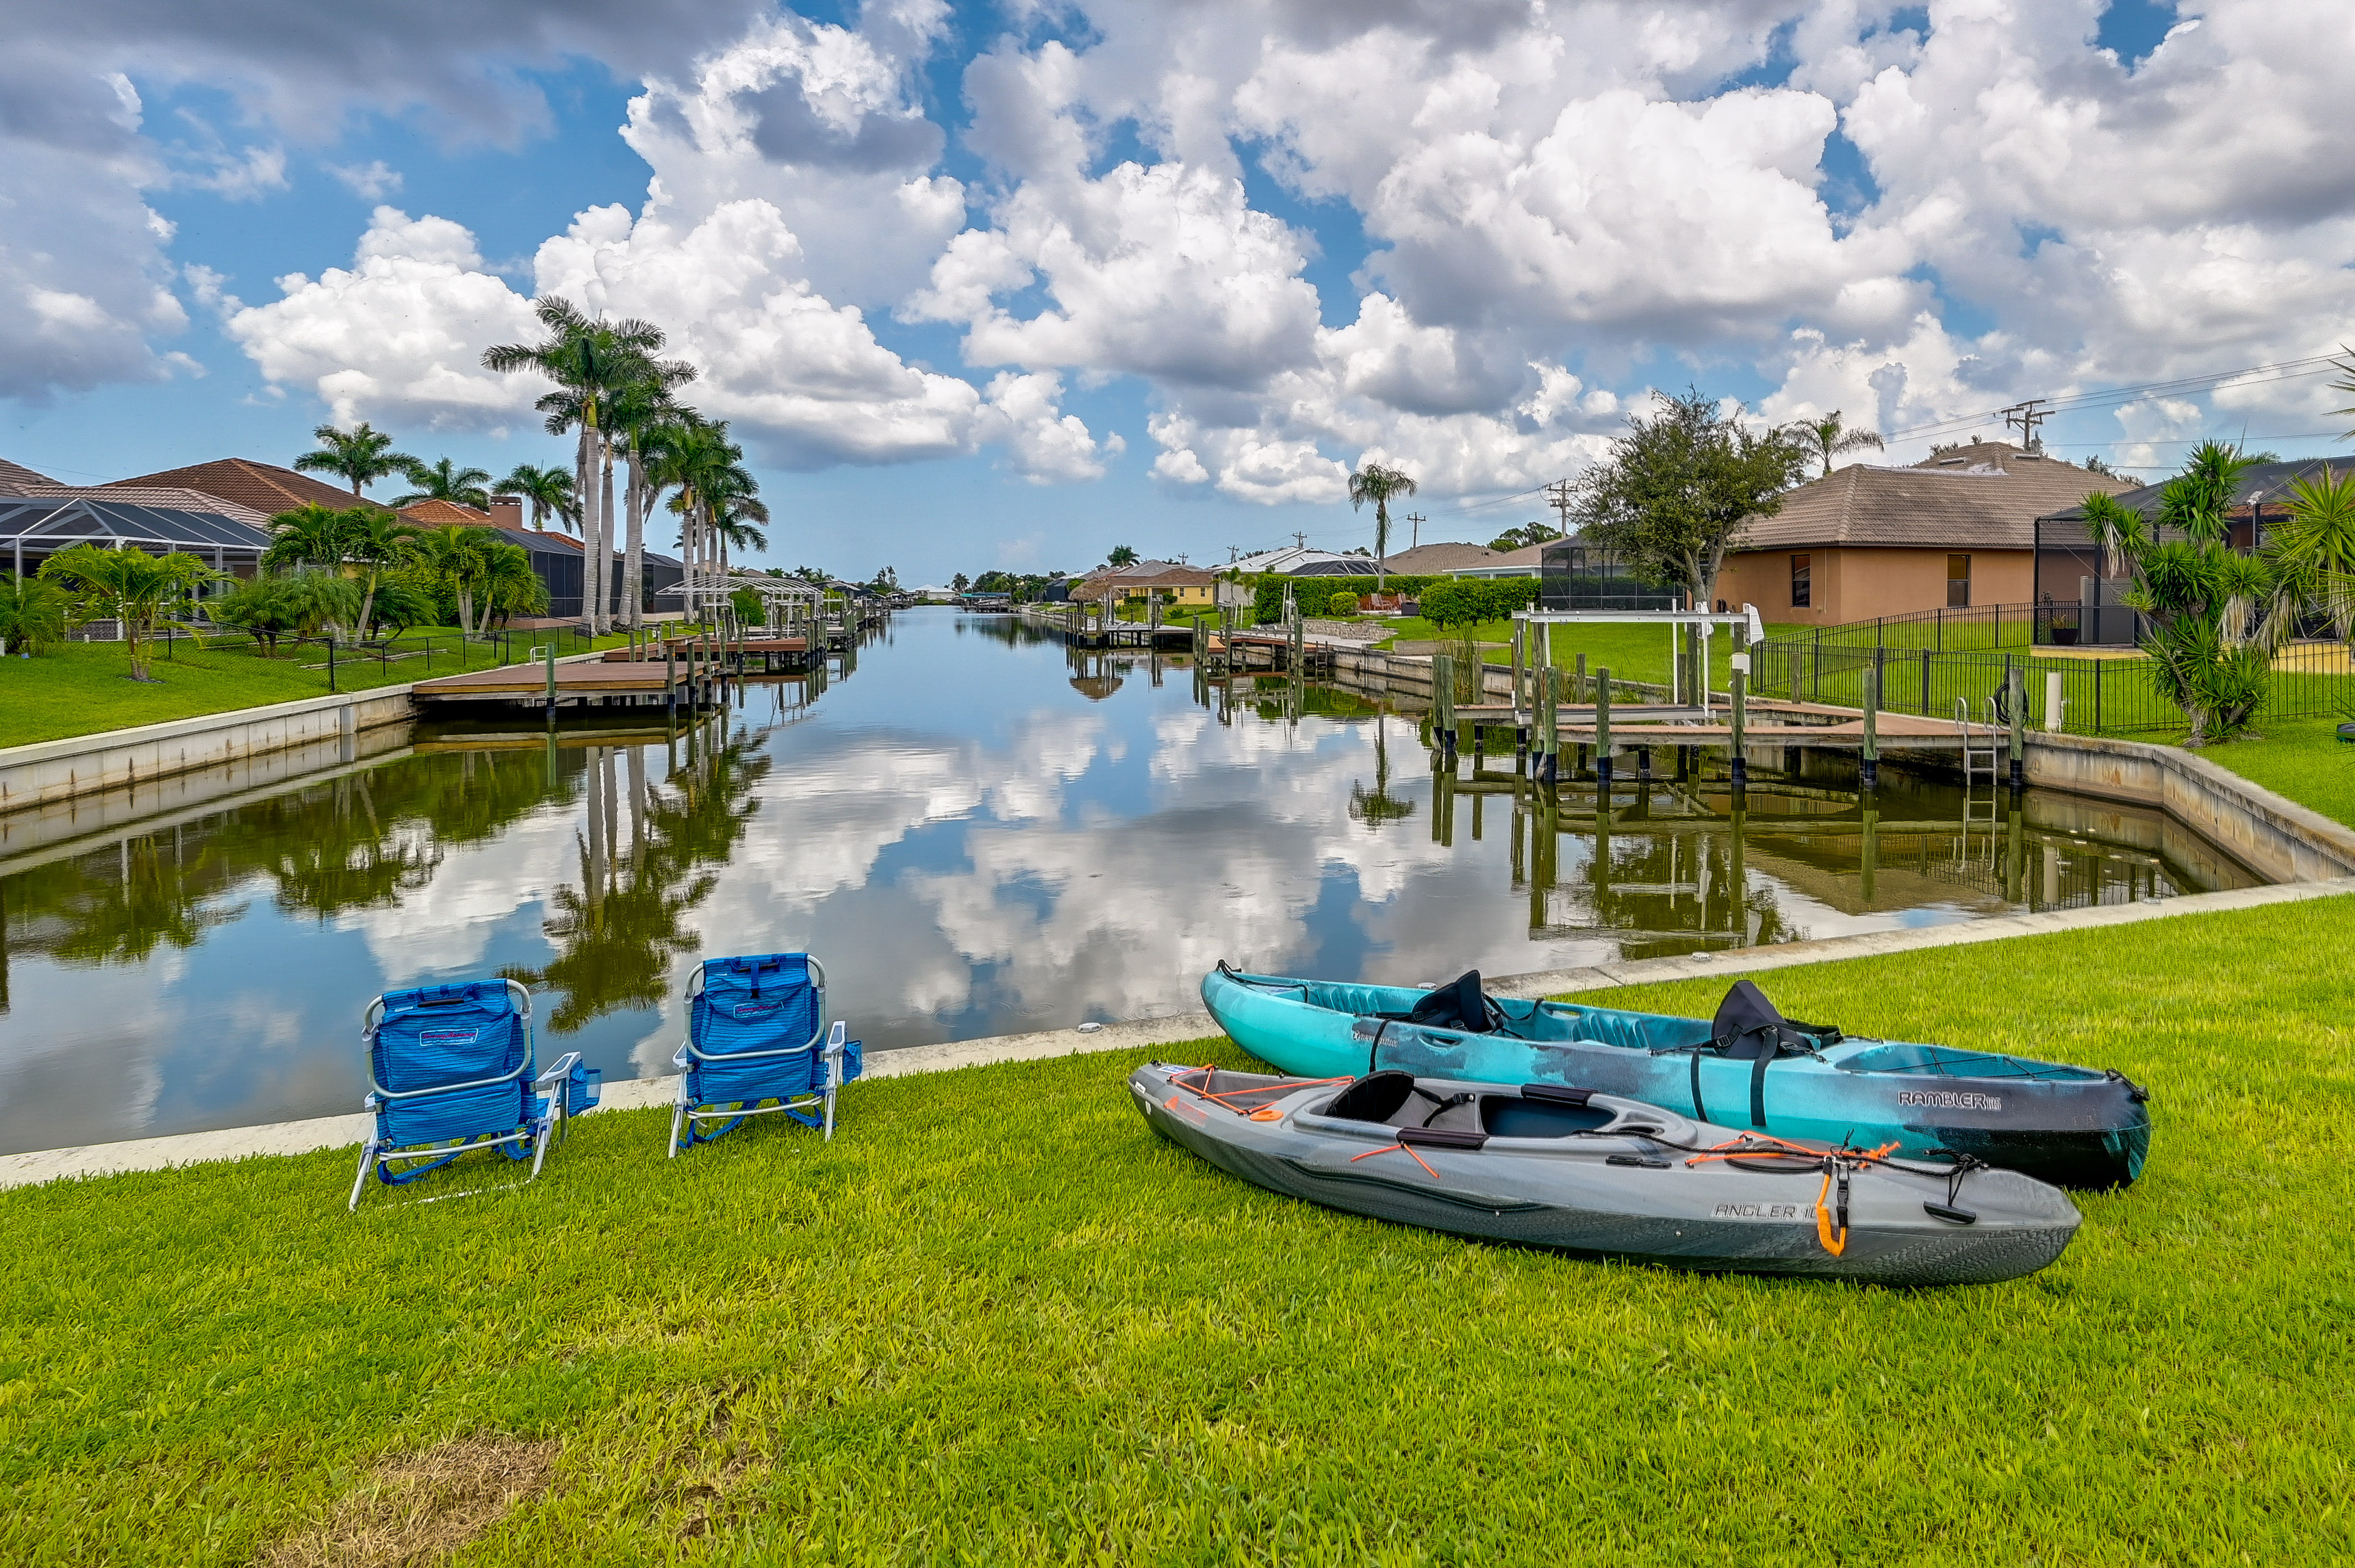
[451, 1070]
[756, 1032]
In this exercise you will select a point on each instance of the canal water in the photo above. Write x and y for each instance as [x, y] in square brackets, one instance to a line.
[977, 830]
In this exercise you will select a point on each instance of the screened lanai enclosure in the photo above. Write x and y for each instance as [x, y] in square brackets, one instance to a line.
[229, 539]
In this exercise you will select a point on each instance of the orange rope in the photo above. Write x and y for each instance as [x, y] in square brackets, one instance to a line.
[1823, 1218]
[1177, 1080]
[1398, 1148]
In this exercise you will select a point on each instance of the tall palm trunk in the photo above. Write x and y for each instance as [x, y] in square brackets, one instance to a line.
[635, 568]
[584, 486]
[605, 584]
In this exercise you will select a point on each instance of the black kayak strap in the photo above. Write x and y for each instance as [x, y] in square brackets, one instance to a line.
[1758, 1065]
[1375, 1049]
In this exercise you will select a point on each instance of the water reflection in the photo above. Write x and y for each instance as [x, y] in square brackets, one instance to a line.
[980, 830]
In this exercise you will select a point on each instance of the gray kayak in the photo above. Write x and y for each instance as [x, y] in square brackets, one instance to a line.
[1606, 1177]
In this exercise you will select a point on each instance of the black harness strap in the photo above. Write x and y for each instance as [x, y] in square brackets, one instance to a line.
[1375, 1049]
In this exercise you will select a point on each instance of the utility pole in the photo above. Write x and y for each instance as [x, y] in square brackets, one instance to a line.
[1559, 496]
[2026, 416]
[1301, 539]
[1414, 538]
[1234, 553]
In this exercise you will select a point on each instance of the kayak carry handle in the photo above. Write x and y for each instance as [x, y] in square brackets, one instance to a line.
[1440, 1138]
[1556, 1095]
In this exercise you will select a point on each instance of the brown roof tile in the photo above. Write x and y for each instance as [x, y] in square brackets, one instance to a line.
[1423, 560]
[265, 487]
[1987, 495]
[15, 476]
[435, 512]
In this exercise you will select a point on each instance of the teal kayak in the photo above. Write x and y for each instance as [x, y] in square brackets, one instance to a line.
[1749, 1067]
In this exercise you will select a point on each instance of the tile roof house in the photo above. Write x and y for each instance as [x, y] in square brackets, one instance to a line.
[1175, 585]
[1955, 530]
[14, 475]
[264, 487]
[1433, 560]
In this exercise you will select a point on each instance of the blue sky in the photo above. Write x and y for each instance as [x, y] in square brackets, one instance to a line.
[1464, 240]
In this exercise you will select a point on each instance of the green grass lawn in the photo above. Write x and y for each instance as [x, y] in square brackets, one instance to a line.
[998, 1321]
[81, 688]
[2303, 758]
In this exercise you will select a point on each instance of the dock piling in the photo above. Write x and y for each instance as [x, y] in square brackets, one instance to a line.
[1871, 765]
[1603, 737]
[1739, 717]
[2015, 687]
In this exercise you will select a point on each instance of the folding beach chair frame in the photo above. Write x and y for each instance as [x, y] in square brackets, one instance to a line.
[546, 1128]
[828, 1042]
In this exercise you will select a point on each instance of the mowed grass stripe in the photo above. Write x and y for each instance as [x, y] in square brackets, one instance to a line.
[996, 1319]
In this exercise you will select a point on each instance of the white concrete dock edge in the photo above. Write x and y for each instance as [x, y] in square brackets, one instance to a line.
[346, 1131]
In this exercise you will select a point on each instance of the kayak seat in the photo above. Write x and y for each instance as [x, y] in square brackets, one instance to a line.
[1393, 1099]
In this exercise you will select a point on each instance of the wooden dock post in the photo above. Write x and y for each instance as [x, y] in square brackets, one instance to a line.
[1739, 718]
[1442, 703]
[2015, 687]
[1578, 686]
[1548, 717]
[1872, 767]
[670, 681]
[1603, 736]
[550, 650]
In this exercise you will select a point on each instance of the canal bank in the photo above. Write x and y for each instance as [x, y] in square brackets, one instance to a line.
[310, 1134]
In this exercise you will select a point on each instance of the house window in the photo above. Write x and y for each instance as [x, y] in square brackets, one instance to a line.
[1802, 581]
[1958, 582]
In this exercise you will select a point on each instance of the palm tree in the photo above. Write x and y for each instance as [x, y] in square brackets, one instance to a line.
[589, 360]
[130, 585]
[311, 534]
[508, 585]
[32, 615]
[1121, 556]
[442, 480]
[640, 411]
[460, 557]
[549, 493]
[713, 486]
[1381, 486]
[376, 542]
[1831, 437]
[363, 455]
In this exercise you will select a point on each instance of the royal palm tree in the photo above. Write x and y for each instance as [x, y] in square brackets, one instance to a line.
[589, 360]
[444, 480]
[1829, 436]
[362, 454]
[549, 493]
[705, 467]
[638, 412]
[141, 590]
[1381, 486]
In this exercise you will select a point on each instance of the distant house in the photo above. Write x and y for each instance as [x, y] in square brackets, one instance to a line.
[1438, 560]
[1178, 586]
[1301, 562]
[264, 487]
[38, 518]
[1528, 561]
[1955, 530]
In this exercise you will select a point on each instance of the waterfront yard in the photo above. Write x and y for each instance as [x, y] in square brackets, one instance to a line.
[83, 688]
[996, 1319]
[2300, 758]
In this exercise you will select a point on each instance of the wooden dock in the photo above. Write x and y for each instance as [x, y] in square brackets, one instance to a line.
[769, 654]
[606, 683]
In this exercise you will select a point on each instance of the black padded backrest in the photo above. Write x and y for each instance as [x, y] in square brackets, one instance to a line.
[1375, 1098]
[1458, 1004]
[1747, 1025]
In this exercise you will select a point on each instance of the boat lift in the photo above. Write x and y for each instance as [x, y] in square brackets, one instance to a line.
[1744, 623]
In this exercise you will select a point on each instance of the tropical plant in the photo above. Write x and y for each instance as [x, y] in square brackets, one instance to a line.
[144, 592]
[1522, 538]
[402, 600]
[1828, 436]
[2313, 551]
[1121, 556]
[375, 543]
[311, 535]
[642, 412]
[2216, 617]
[1376, 806]
[260, 608]
[460, 559]
[508, 586]
[1381, 486]
[32, 615]
[960, 582]
[1343, 603]
[362, 455]
[1679, 487]
[443, 480]
[548, 490]
[2346, 382]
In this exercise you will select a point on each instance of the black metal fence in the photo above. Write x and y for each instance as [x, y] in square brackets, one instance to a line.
[2105, 693]
[416, 655]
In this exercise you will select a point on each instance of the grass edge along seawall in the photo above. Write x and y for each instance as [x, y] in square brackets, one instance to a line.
[996, 1316]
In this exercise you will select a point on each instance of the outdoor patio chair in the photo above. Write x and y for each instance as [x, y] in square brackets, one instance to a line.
[451, 1070]
[756, 1033]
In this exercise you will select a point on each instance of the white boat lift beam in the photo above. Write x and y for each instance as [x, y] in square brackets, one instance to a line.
[1702, 622]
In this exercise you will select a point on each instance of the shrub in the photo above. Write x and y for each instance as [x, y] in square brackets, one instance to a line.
[32, 615]
[1343, 603]
[1468, 601]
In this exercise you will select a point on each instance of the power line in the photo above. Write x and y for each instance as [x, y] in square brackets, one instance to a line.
[2114, 397]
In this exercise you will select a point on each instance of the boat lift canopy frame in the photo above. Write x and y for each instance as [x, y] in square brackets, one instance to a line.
[1702, 622]
[720, 589]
